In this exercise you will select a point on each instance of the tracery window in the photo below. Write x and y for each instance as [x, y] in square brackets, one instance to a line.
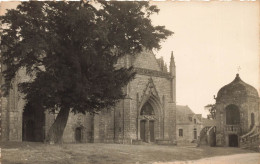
[147, 109]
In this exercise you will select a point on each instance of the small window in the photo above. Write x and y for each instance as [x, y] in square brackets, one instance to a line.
[195, 121]
[180, 132]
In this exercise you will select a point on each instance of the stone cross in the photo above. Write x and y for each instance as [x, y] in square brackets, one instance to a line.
[238, 69]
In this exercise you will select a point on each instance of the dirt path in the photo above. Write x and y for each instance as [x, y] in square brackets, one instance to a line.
[248, 158]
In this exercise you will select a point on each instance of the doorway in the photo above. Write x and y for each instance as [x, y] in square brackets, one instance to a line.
[142, 130]
[78, 134]
[147, 123]
[195, 133]
[145, 135]
[28, 130]
[233, 140]
[33, 125]
[151, 130]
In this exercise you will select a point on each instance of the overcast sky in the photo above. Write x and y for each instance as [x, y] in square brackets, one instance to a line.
[211, 40]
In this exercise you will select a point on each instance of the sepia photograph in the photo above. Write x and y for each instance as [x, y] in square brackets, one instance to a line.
[135, 82]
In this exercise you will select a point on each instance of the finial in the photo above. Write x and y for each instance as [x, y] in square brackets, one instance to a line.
[238, 69]
[172, 54]
[237, 77]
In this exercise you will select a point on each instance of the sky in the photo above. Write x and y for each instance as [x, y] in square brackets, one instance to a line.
[210, 41]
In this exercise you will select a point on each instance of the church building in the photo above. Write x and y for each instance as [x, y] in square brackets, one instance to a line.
[146, 114]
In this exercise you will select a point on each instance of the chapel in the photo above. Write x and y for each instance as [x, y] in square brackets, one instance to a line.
[146, 114]
[237, 114]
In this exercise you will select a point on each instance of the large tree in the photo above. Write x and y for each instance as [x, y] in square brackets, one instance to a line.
[70, 49]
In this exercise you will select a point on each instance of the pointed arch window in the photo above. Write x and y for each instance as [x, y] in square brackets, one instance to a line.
[147, 109]
[232, 115]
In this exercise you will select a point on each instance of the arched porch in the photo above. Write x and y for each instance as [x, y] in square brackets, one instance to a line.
[150, 121]
[233, 129]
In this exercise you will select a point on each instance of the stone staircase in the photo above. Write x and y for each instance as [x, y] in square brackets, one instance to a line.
[203, 135]
[251, 140]
[208, 136]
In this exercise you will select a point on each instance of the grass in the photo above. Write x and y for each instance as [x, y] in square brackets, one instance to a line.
[98, 153]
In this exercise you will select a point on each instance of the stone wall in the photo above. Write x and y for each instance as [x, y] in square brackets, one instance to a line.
[146, 60]
[78, 121]
[12, 110]
[119, 124]
[188, 132]
[246, 107]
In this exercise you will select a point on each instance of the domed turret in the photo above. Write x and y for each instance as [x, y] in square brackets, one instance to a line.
[237, 89]
[237, 113]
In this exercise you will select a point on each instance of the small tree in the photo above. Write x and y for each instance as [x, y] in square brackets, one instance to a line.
[212, 110]
[70, 48]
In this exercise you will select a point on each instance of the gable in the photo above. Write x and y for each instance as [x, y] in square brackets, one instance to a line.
[146, 60]
[183, 113]
[149, 91]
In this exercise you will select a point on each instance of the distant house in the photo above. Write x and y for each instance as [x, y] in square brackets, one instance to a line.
[188, 124]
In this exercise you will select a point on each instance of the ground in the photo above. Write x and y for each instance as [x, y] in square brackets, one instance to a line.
[31, 153]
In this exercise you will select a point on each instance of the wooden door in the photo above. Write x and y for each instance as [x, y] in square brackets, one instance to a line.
[142, 130]
[151, 128]
[78, 134]
[233, 140]
[30, 131]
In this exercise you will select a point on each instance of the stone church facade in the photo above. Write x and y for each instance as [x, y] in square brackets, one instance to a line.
[147, 113]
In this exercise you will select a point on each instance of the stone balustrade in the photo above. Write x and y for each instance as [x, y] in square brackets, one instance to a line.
[232, 128]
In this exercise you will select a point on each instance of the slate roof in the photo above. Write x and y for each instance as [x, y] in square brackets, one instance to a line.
[183, 113]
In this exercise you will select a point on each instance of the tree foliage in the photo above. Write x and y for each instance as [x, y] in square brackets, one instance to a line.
[212, 111]
[70, 49]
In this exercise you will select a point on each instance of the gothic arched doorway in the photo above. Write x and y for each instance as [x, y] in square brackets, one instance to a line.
[147, 123]
[233, 140]
[33, 124]
[232, 115]
[78, 134]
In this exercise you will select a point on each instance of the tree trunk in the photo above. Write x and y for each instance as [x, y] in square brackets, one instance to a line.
[56, 131]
